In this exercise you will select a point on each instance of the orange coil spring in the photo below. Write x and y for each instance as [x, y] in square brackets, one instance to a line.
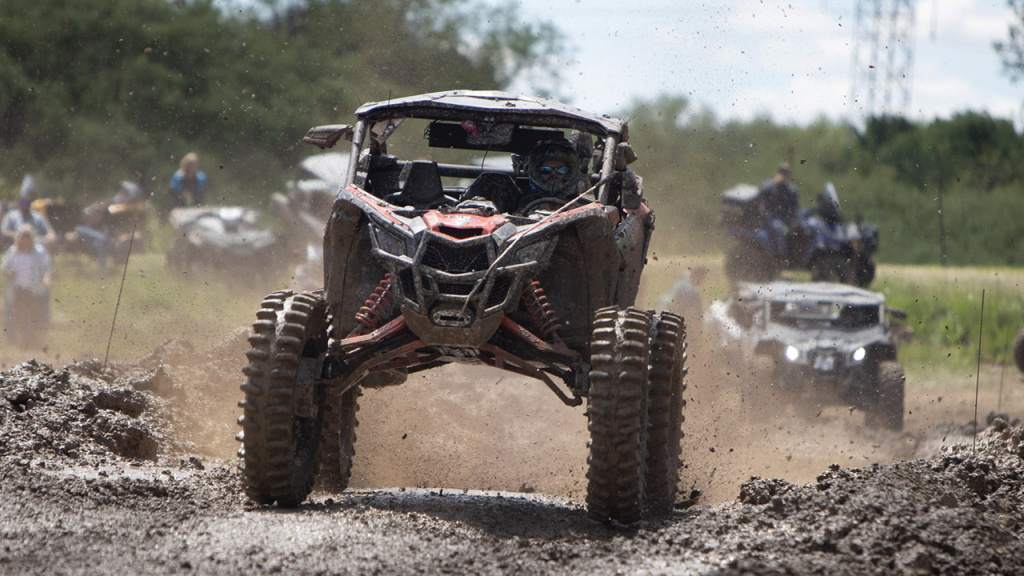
[379, 307]
[541, 312]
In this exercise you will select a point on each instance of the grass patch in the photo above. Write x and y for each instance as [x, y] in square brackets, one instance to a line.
[942, 304]
[156, 305]
[944, 311]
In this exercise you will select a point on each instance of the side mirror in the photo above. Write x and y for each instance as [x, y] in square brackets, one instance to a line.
[624, 156]
[632, 197]
[324, 137]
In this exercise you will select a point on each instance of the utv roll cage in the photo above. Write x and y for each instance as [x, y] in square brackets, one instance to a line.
[486, 121]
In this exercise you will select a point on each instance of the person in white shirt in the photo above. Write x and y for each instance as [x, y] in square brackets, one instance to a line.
[27, 270]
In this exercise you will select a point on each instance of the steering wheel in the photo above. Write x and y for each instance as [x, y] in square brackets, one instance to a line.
[539, 201]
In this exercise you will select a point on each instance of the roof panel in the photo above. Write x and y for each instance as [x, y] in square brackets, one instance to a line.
[503, 105]
[795, 291]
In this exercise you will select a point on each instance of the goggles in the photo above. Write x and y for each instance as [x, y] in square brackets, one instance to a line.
[548, 170]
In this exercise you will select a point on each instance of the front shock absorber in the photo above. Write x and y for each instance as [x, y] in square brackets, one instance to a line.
[543, 315]
[378, 308]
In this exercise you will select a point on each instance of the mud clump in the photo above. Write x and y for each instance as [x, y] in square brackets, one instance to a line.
[959, 513]
[75, 412]
[761, 491]
[174, 401]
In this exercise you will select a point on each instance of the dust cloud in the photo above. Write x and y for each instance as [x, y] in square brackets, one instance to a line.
[471, 427]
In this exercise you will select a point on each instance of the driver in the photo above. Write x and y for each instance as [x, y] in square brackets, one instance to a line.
[553, 171]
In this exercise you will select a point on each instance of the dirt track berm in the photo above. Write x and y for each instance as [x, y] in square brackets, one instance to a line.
[474, 260]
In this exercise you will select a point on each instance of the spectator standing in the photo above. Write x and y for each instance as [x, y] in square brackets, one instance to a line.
[188, 184]
[24, 214]
[684, 299]
[27, 270]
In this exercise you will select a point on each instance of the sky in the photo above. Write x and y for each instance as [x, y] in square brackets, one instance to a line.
[789, 61]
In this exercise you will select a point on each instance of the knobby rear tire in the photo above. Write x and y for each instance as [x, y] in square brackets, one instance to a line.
[832, 268]
[338, 441]
[865, 271]
[617, 414]
[665, 416]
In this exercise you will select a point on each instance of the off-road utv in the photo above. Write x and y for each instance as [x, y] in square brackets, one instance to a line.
[438, 250]
[303, 210]
[227, 239]
[828, 343]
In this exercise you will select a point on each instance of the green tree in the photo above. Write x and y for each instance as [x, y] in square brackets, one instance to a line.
[94, 91]
[1012, 49]
[970, 147]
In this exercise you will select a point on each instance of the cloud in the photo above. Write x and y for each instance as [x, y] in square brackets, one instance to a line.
[965, 22]
[744, 58]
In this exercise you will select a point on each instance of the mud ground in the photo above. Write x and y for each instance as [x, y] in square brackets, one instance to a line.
[130, 468]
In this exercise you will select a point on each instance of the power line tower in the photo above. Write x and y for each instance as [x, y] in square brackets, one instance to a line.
[882, 58]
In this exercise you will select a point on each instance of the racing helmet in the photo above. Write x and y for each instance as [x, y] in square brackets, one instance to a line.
[548, 179]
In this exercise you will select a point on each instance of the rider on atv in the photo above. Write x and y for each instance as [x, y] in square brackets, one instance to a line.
[779, 205]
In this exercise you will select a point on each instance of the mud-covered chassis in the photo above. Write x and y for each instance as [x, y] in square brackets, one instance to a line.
[418, 275]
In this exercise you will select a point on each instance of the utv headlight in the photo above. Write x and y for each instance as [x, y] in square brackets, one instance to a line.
[792, 353]
[389, 243]
[859, 354]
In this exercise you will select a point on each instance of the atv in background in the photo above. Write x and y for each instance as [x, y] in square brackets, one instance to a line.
[828, 343]
[822, 242]
[108, 227]
[303, 211]
[432, 257]
[226, 240]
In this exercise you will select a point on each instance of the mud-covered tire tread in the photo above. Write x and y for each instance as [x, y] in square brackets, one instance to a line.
[278, 464]
[617, 414]
[889, 401]
[1018, 350]
[665, 416]
[338, 441]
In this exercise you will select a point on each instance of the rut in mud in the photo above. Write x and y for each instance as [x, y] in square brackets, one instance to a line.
[128, 467]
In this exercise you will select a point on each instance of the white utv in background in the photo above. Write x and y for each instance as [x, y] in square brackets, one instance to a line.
[827, 342]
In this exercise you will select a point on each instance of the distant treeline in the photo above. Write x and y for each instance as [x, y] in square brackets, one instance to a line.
[96, 91]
